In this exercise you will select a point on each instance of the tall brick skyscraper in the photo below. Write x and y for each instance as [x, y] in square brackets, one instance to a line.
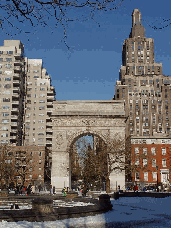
[142, 85]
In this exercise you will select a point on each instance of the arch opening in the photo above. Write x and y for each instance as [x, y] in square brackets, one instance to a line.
[88, 162]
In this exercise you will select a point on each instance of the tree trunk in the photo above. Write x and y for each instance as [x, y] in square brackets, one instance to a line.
[107, 185]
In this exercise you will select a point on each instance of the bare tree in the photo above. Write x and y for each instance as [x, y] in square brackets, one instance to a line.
[98, 161]
[7, 167]
[23, 162]
[50, 13]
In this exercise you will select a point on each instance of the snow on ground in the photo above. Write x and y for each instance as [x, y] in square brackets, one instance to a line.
[127, 212]
[60, 203]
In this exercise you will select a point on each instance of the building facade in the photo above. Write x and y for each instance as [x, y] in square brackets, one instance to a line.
[23, 165]
[151, 159]
[142, 85]
[146, 92]
[12, 84]
[40, 95]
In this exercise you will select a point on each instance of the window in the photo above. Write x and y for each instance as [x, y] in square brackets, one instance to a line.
[8, 79]
[5, 114]
[144, 162]
[164, 162]
[164, 151]
[41, 88]
[137, 161]
[153, 162]
[30, 177]
[154, 174]
[35, 71]
[40, 168]
[43, 95]
[41, 107]
[7, 86]
[1, 52]
[41, 114]
[153, 150]
[4, 135]
[41, 133]
[40, 177]
[40, 139]
[8, 66]
[10, 52]
[40, 153]
[137, 177]
[41, 121]
[41, 101]
[6, 121]
[36, 76]
[136, 150]
[6, 99]
[40, 161]
[1, 59]
[145, 151]
[145, 176]
[4, 128]
[9, 59]
[6, 106]
[30, 169]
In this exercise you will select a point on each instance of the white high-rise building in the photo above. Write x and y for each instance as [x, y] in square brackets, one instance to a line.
[26, 98]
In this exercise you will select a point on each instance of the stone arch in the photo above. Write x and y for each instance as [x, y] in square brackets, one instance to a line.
[73, 119]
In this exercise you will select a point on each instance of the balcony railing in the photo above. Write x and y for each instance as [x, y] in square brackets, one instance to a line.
[14, 123]
[15, 102]
[14, 117]
[49, 130]
[17, 68]
[13, 137]
[50, 97]
[17, 54]
[14, 130]
[16, 81]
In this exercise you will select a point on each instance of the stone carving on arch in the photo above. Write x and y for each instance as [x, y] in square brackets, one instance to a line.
[73, 135]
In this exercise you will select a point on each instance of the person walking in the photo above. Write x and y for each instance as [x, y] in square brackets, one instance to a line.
[64, 191]
[84, 191]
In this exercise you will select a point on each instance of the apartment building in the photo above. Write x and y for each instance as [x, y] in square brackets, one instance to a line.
[38, 105]
[142, 85]
[12, 81]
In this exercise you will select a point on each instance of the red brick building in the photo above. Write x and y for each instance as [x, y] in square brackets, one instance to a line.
[28, 165]
[151, 160]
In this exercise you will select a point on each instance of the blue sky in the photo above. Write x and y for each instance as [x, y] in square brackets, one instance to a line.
[89, 70]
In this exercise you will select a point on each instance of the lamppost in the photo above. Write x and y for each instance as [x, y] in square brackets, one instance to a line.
[157, 179]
